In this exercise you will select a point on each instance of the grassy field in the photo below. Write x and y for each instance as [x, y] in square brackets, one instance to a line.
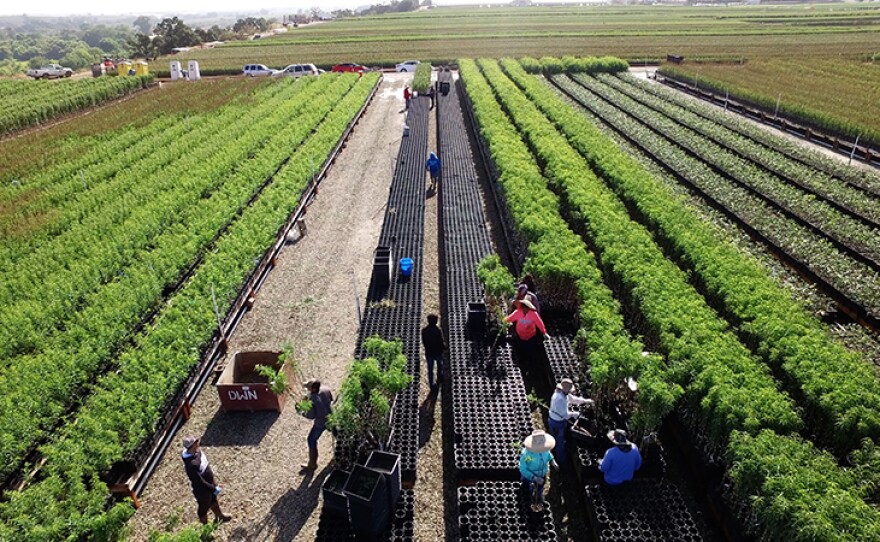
[445, 34]
[840, 96]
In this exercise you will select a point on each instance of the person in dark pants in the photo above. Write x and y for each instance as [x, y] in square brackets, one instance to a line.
[430, 94]
[560, 414]
[201, 477]
[407, 96]
[322, 400]
[432, 340]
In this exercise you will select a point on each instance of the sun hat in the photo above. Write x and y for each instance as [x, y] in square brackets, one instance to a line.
[309, 383]
[190, 440]
[618, 437]
[539, 442]
[565, 385]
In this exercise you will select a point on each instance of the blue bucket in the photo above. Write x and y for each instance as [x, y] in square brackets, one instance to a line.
[406, 266]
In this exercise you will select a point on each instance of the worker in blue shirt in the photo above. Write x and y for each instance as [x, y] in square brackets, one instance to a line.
[433, 166]
[560, 413]
[622, 460]
[535, 461]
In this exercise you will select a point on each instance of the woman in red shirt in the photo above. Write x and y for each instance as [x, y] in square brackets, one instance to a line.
[526, 324]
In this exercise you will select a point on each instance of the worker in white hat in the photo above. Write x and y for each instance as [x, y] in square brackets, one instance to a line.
[535, 461]
[560, 412]
[205, 488]
[622, 460]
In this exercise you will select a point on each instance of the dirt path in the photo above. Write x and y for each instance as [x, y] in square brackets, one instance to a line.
[309, 299]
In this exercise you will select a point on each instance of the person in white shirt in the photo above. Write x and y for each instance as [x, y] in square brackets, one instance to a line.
[560, 412]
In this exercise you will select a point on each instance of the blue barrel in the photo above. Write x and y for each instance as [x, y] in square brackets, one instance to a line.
[406, 266]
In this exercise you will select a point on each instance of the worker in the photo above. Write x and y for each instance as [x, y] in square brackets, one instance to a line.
[433, 167]
[560, 412]
[201, 477]
[407, 96]
[430, 95]
[432, 340]
[535, 461]
[621, 461]
[321, 399]
[527, 325]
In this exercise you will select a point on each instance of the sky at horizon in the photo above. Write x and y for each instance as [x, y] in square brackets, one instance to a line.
[59, 8]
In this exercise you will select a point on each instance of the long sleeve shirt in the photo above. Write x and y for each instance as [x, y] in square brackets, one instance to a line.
[526, 324]
[321, 402]
[559, 403]
[619, 466]
[534, 466]
[432, 340]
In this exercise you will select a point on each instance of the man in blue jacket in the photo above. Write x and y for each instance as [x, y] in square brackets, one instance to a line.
[433, 167]
[622, 460]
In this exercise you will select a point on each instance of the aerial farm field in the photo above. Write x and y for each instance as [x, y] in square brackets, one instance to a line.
[443, 35]
[713, 286]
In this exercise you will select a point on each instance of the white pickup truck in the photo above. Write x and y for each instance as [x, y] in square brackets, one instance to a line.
[50, 71]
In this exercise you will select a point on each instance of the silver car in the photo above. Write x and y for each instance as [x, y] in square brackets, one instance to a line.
[298, 70]
[258, 70]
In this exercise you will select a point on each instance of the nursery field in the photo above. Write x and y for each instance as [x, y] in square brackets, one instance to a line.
[24, 103]
[443, 35]
[758, 380]
[837, 96]
[114, 255]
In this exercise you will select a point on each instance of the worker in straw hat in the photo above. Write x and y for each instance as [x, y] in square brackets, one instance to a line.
[535, 461]
[528, 330]
[560, 412]
[622, 460]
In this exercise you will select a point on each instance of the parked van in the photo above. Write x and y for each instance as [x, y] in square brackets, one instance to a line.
[298, 70]
[258, 70]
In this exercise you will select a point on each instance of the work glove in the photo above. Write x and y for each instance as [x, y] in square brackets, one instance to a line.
[216, 490]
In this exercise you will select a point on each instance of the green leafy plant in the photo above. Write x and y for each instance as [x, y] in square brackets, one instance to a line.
[277, 378]
[498, 283]
[422, 79]
[535, 401]
[365, 396]
[304, 406]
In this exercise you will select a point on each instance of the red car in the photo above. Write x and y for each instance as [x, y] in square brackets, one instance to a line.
[356, 68]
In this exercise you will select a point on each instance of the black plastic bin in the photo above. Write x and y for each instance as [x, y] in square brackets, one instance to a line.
[335, 500]
[382, 266]
[476, 321]
[444, 87]
[367, 492]
[388, 464]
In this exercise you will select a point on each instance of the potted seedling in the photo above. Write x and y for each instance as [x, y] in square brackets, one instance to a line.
[499, 287]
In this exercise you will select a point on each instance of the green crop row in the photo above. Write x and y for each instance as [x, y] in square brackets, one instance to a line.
[809, 179]
[666, 301]
[562, 263]
[859, 177]
[854, 279]
[422, 79]
[715, 370]
[91, 336]
[51, 280]
[572, 64]
[811, 117]
[23, 103]
[832, 222]
[68, 502]
[839, 388]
